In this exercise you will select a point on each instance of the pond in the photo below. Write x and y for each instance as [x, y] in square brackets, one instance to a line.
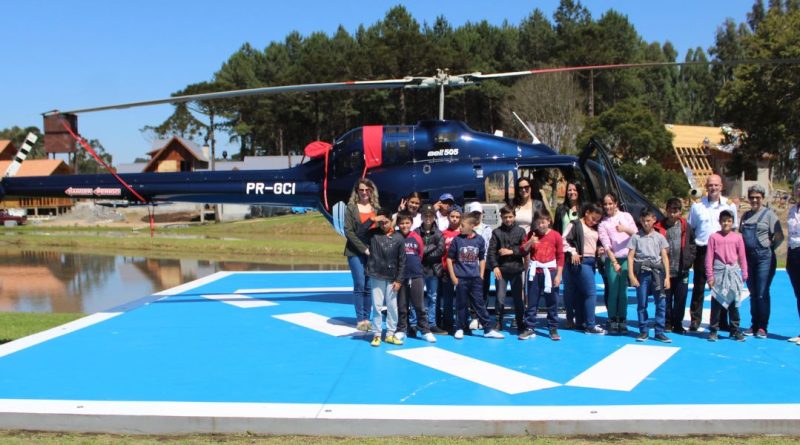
[49, 281]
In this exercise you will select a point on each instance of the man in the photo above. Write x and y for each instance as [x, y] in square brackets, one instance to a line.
[704, 219]
[443, 211]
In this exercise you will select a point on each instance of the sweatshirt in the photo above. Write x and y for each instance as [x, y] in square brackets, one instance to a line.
[467, 254]
[729, 249]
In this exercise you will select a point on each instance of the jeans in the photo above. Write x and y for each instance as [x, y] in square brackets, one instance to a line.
[580, 283]
[470, 290]
[651, 283]
[411, 292]
[361, 289]
[617, 285]
[793, 268]
[431, 289]
[515, 278]
[446, 302]
[676, 300]
[761, 264]
[536, 291]
[383, 296]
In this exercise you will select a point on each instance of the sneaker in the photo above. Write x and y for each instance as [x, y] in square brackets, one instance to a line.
[376, 341]
[526, 334]
[554, 335]
[738, 336]
[595, 330]
[436, 330]
[398, 336]
[429, 337]
[494, 334]
[622, 328]
[497, 326]
[474, 324]
[795, 339]
[694, 326]
[459, 334]
[668, 328]
[712, 336]
[392, 340]
[749, 332]
[663, 338]
[761, 333]
[364, 325]
[642, 336]
[613, 327]
[679, 330]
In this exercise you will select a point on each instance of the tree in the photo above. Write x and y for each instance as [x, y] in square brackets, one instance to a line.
[552, 104]
[17, 136]
[86, 163]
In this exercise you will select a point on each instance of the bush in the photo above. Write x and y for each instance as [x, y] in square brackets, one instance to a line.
[654, 182]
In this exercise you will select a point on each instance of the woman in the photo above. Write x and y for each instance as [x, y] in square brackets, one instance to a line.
[359, 218]
[615, 231]
[565, 214]
[524, 204]
[410, 204]
[762, 234]
[793, 254]
[568, 211]
[580, 255]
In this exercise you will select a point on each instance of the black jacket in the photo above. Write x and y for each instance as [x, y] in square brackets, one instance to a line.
[387, 256]
[561, 210]
[433, 250]
[508, 238]
[356, 232]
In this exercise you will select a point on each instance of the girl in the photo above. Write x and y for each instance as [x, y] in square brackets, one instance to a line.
[581, 242]
[615, 232]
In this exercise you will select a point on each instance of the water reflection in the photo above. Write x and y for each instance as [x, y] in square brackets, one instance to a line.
[33, 281]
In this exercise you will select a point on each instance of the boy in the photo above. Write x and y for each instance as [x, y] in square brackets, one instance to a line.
[545, 268]
[465, 264]
[411, 289]
[431, 266]
[725, 260]
[484, 230]
[446, 286]
[443, 207]
[385, 268]
[649, 259]
[680, 237]
[505, 258]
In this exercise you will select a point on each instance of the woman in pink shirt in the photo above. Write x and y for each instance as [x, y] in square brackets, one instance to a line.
[615, 231]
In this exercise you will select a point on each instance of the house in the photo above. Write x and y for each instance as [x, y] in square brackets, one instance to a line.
[34, 167]
[175, 155]
[701, 151]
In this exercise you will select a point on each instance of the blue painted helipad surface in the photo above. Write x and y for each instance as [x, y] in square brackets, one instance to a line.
[282, 346]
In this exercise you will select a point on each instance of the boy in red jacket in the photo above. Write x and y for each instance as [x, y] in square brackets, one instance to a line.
[545, 268]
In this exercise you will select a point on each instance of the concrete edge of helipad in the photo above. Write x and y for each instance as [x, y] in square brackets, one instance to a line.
[391, 420]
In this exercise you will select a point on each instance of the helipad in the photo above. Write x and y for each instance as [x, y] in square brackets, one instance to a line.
[277, 353]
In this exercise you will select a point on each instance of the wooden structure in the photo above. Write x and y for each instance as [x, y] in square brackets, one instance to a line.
[36, 167]
[175, 155]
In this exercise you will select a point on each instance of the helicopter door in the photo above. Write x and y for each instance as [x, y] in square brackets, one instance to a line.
[601, 178]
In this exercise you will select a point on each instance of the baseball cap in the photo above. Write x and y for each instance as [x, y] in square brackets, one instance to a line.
[455, 208]
[474, 207]
[427, 209]
[446, 197]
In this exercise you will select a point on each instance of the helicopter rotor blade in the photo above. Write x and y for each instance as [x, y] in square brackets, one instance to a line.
[314, 87]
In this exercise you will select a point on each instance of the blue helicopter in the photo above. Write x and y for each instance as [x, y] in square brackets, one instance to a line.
[431, 157]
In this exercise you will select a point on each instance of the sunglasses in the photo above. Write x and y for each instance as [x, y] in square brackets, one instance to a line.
[525, 187]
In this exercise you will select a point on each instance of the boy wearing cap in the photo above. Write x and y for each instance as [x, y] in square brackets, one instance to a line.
[431, 266]
[385, 268]
[443, 207]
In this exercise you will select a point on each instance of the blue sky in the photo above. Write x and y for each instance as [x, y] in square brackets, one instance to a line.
[84, 53]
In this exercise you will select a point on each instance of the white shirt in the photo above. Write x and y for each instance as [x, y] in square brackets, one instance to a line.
[442, 221]
[704, 218]
[485, 231]
[794, 227]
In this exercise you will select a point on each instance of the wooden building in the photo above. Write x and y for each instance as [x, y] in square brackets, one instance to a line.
[34, 167]
[175, 155]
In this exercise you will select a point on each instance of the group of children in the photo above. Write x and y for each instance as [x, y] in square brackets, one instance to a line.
[451, 265]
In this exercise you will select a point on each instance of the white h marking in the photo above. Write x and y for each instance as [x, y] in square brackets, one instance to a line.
[238, 300]
[320, 323]
[477, 371]
[625, 368]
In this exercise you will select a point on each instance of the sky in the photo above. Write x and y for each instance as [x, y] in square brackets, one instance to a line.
[86, 53]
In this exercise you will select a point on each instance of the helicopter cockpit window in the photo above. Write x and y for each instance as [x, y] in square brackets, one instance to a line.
[396, 152]
[549, 184]
[446, 137]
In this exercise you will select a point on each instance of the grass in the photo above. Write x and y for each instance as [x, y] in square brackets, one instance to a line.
[25, 437]
[288, 239]
[14, 325]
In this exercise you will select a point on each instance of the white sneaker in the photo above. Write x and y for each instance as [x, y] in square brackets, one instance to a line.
[429, 338]
[459, 334]
[493, 334]
[475, 325]
[795, 339]
[400, 335]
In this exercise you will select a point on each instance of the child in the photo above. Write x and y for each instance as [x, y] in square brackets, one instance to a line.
[505, 258]
[649, 259]
[725, 260]
[680, 237]
[431, 266]
[544, 273]
[446, 286]
[465, 264]
[581, 242]
[385, 268]
[411, 287]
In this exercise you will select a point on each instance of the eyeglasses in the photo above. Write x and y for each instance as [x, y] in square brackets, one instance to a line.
[525, 187]
[755, 198]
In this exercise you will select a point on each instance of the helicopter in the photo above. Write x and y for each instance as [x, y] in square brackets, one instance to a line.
[432, 157]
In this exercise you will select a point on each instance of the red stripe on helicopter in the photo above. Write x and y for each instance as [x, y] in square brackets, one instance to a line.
[373, 145]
